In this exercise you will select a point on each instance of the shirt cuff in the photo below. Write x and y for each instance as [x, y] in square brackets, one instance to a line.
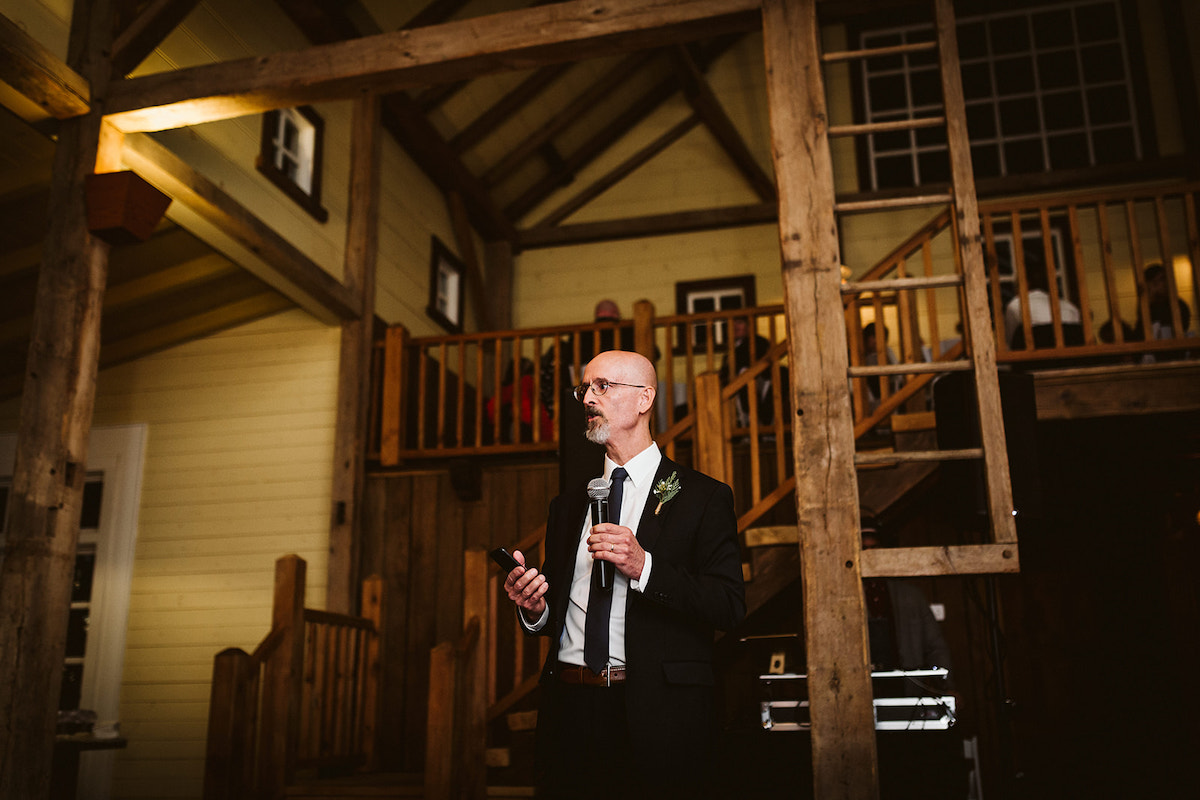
[534, 627]
[639, 584]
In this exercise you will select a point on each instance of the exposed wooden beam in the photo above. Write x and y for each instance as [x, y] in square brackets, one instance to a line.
[618, 173]
[289, 270]
[200, 323]
[144, 33]
[503, 109]
[650, 225]
[909, 562]
[607, 135]
[457, 50]
[404, 120]
[1086, 392]
[701, 97]
[616, 76]
[40, 75]
[409, 126]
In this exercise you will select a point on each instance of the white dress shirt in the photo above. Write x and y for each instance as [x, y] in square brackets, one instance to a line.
[638, 484]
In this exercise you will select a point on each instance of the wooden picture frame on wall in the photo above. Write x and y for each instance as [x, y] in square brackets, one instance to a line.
[446, 287]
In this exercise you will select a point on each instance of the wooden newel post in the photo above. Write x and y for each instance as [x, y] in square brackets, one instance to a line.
[372, 609]
[439, 731]
[643, 328]
[710, 428]
[392, 417]
[282, 679]
[474, 675]
[228, 751]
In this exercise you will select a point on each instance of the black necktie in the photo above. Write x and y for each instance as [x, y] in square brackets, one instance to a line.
[595, 627]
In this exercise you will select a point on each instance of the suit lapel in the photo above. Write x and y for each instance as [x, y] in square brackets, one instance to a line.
[650, 526]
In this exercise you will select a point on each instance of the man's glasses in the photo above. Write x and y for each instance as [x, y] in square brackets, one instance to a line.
[600, 386]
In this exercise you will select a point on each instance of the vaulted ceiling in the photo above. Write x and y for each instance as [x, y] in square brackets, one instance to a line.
[502, 145]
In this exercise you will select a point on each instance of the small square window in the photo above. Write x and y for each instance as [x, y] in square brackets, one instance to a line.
[445, 287]
[290, 155]
[718, 294]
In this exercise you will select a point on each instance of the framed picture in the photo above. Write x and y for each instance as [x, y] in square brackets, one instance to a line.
[445, 287]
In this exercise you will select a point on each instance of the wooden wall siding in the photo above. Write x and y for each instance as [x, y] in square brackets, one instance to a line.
[237, 472]
[415, 530]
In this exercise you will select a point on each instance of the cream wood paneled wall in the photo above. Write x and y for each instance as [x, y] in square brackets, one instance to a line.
[238, 472]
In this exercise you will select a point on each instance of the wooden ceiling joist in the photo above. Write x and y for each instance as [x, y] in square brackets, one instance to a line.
[608, 134]
[40, 75]
[506, 106]
[457, 50]
[621, 171]
[291, 272]
[701, 97]
[570, 114]
[406, 122]
[651, 225]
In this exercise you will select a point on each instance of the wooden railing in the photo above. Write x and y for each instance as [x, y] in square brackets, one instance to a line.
[306, 697]
[458, 395]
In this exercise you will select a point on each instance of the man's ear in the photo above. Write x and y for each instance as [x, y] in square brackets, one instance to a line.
[646, 400]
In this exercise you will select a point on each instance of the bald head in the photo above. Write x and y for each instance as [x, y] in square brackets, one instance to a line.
[624, 366]
[619, 418]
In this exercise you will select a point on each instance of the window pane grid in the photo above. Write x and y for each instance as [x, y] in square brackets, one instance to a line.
[1042, 85]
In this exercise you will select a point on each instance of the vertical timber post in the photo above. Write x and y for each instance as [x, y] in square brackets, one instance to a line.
[354, 370]
[839, 683]
[51, 459]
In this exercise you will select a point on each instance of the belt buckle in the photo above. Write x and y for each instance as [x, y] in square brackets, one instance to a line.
[608, 677]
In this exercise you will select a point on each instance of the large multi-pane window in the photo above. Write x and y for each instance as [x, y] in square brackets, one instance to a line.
[1046, 88]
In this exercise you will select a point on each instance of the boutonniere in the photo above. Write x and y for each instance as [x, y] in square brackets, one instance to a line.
[665, 489]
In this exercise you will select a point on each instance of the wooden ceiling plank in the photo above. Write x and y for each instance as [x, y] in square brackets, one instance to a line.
[147, 31]
[293, 273]
[621, 171]
[511, 40]
[40, 75]
[701, 97]
[650, 225]
[616, 77]
[503, 109]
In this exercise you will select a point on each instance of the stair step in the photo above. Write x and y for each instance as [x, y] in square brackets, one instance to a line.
[498, 757]
[522, 720]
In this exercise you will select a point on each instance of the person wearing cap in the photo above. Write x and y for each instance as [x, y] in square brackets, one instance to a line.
[627, 703]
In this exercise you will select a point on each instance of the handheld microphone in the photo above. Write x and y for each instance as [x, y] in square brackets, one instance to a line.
[598, 490]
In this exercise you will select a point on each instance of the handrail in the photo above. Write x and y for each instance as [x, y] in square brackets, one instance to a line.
[307, 695]
[439, 387]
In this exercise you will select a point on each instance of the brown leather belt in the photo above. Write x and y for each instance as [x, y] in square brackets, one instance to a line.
[569, 673]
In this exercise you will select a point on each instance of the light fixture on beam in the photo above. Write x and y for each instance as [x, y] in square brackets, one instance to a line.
[122, 208]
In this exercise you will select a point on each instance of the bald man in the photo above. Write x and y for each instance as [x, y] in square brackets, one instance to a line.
[626, 706]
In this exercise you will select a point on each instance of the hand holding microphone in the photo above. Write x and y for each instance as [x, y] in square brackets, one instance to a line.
[598, 491]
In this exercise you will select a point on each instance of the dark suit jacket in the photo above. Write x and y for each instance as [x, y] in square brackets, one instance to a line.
[695, 588]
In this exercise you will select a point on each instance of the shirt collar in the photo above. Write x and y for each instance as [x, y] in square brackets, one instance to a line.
[641, 468]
